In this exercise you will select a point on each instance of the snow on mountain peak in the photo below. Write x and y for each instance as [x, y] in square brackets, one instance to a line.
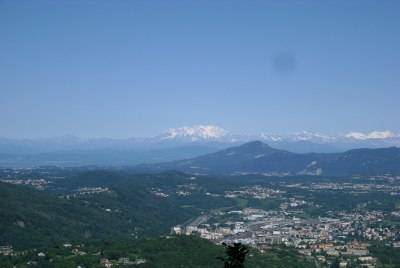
[271, 137]
[371, 135]
[197, 132]
[204, 133]
[311, 136]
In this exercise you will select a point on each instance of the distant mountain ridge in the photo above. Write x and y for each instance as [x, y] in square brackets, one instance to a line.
[173, 144]
[259, 158]
[303, 141]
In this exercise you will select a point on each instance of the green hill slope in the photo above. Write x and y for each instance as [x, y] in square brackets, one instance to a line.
[32, 218]
[176, 251]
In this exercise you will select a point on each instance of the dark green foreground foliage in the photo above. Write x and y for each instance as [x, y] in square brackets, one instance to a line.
[176, 251]
[30, 218]
[388, 256]
[236, 255]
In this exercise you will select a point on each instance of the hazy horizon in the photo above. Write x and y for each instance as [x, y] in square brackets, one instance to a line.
[213, 132]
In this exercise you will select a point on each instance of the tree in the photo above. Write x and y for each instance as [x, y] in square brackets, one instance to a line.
[236, 255]
[335, 263]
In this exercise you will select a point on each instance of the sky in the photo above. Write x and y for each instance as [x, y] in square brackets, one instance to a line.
[135, 68]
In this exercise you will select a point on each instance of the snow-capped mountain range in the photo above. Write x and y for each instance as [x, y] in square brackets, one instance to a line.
[175, 144]
[211, 134]
[195, 133]
[204, 133]
[300, 142]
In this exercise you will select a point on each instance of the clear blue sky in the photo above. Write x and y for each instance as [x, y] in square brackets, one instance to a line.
[135, 68]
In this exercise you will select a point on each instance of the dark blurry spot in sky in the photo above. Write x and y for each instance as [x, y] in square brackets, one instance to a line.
[284, 63]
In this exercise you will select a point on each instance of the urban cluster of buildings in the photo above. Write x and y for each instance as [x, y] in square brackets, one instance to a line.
[257, 192]
[6, 250]
[322, 237]
[39, 184]
[92, 190]
[107, 263]
[350, 187]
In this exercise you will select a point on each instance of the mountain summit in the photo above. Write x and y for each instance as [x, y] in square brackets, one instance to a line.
[195, 133]
[257, 157]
